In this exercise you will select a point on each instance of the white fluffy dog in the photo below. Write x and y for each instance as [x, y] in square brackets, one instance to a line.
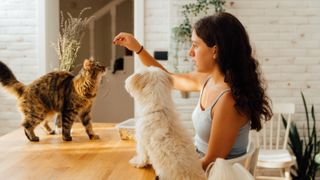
[161, 139]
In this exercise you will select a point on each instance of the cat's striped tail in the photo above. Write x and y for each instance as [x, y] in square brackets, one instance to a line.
[9, 81]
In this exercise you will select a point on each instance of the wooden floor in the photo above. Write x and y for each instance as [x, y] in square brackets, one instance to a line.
[7, 126]
[51, 158]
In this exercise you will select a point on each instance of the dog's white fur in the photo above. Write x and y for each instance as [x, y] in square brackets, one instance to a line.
[161, 139]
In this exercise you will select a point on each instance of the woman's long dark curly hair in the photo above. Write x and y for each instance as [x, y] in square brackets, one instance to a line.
[235, 60]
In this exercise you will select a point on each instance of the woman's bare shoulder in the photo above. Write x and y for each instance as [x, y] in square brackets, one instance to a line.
[225, 110]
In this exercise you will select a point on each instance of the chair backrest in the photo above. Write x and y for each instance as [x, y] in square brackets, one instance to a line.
[273, 130]
[253, 162]
[248, 160]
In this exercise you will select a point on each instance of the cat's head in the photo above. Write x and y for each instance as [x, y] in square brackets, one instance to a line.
[92, 69]
[87, 81]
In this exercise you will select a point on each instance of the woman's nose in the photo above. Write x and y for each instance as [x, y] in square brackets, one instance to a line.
[191, 53]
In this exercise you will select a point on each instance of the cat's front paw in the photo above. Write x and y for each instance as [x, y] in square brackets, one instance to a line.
[67, 138]
[94, 136]
[138, 162]
[30, 136]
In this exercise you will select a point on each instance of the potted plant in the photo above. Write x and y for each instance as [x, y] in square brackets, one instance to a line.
[305, 146]
[181, 34]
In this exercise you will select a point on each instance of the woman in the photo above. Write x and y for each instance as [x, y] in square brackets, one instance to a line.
[232, 97]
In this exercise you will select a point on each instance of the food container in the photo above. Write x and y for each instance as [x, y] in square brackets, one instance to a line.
[127, 129]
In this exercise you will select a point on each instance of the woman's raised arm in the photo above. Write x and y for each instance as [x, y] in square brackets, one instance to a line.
[184, 82]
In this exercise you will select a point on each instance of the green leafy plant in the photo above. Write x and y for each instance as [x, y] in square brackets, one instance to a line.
[182, 32]
[305, 147]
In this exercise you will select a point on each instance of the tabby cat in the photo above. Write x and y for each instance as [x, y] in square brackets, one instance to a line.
[56, 92]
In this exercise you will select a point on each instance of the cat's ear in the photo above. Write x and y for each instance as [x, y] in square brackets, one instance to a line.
[87, 64]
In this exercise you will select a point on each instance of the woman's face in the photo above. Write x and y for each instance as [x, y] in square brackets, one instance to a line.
[203, 55]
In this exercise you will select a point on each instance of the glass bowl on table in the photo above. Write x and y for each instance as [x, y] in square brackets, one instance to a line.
[127, 129]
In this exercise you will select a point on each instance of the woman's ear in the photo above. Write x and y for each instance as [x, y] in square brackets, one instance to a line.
[215, 52]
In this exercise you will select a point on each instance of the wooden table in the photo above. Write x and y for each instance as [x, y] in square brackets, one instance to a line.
[51, 158]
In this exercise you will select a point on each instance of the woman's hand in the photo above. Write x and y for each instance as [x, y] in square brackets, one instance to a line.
[127, 40]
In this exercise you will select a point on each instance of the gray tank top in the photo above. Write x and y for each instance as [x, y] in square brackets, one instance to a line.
[202, 123]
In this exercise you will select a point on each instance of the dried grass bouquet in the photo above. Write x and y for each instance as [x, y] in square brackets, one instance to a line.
[69, 41]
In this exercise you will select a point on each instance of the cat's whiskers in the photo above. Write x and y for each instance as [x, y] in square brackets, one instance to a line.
[105, 79]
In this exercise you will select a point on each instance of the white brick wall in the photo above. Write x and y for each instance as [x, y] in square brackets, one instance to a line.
[157, 30]
[284, 35]
[18, 26]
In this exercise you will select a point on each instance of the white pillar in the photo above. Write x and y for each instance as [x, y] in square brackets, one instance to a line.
[139, 34]
[138, 27]
[48, 31]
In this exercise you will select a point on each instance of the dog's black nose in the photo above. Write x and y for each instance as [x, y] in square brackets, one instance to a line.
[157, 178]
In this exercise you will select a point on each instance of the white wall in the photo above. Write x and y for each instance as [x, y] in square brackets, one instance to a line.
[18, 26]
[284, 34]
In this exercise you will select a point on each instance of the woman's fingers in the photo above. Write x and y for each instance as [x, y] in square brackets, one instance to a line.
[121, 37]
[118, 40]
[127, 40]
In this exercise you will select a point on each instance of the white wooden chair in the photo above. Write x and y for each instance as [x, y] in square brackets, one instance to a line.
[273, 148]
[248, 160]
